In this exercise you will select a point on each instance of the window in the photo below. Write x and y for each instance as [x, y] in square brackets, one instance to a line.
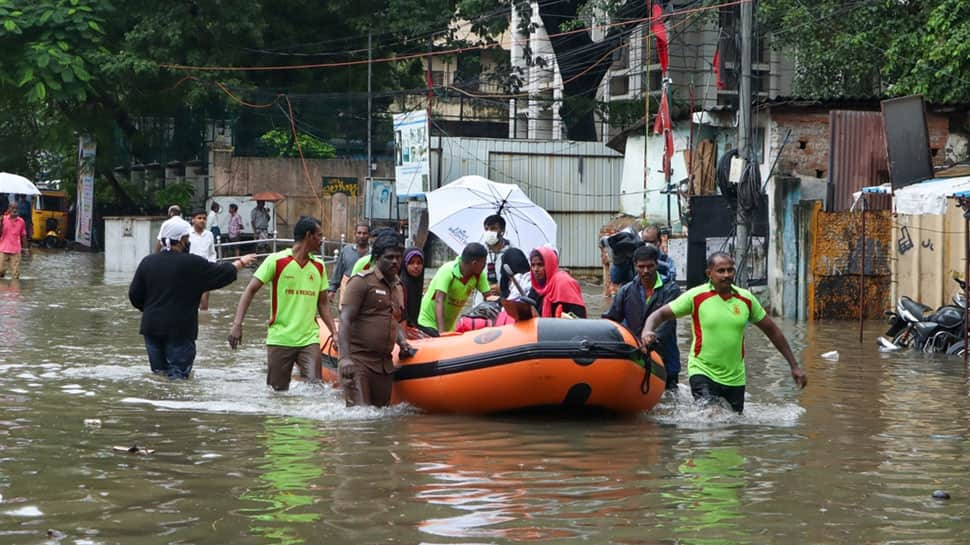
[619, 85]
[621, 57]
[468, 73]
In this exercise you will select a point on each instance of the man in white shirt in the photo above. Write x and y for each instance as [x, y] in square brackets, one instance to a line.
[174, 211]
[214, 219]
[202, 244]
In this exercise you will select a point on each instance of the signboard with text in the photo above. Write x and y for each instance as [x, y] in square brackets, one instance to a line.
[84, 226]
[412, 164]
[341, 184]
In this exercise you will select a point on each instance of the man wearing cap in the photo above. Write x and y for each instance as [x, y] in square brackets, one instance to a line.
[167, 288]
[174, 211]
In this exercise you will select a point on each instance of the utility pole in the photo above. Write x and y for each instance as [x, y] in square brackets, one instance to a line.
[741, 236]
[370, 57]
[429, 80]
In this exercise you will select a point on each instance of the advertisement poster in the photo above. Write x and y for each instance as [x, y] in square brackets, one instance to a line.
[412, 164]
[87, 149]
[381, 204]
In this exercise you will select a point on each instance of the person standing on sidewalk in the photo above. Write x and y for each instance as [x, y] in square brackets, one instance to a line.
[166, 288]
[235, 225]
[214, 220]
[259, 217]
[298, 281]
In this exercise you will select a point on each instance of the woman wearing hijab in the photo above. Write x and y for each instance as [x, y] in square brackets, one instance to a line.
[412, 280]
[554, 291]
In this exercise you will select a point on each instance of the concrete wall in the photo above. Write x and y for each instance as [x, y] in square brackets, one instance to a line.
[230, 175]
[653, 203]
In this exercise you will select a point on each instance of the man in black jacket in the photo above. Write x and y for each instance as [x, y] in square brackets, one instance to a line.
[643, 295]
[167, 288]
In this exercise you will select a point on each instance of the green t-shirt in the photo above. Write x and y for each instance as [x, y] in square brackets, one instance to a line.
[295, 291]
[448, 280]
[717, 350]
[362, 264]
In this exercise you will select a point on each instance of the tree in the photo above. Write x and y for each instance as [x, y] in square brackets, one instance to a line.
[933, 58]
[882, 47]
[283, 144]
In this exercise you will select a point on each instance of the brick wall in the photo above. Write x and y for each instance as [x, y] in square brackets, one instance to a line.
[232, 175]
[807, 152]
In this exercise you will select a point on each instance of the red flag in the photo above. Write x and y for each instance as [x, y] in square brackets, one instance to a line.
[719, 83]
[659, 30]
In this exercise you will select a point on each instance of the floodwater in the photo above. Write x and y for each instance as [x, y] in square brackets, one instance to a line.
[854, 458]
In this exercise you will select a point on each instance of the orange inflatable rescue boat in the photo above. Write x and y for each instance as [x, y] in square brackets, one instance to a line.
[543, 364]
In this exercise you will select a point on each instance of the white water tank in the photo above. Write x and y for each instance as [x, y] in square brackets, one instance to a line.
[128, 239]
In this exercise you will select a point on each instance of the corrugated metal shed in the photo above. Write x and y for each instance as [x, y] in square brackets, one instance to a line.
[857, 157]
[578, 183]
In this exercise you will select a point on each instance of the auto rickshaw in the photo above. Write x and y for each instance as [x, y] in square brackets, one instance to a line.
[49, 219]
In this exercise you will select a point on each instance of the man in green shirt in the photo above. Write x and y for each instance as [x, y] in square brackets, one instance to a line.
[720, 311]
[450, 288]
[299, 293]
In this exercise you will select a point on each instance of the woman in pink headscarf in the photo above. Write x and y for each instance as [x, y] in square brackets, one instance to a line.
[554, 291]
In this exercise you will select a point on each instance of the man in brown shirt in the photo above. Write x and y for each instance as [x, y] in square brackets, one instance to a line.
[372, 306]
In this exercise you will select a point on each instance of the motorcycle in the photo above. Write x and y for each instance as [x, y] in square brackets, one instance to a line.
[938, 332]
[53, 238]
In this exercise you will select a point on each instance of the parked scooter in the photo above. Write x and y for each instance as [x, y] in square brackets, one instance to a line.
[938, 332]
[53, 238]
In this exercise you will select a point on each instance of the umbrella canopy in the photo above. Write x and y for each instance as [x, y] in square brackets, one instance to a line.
[456, 212]
[270, 196]
[12, 183]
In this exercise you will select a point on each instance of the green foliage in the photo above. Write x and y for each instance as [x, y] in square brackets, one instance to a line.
[179, 193]
[281, 144]
[622, 113]
[46, 46]
[934, 60]
[876, 47]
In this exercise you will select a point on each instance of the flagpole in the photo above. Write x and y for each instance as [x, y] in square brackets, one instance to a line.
[668, 127]
[646, 101]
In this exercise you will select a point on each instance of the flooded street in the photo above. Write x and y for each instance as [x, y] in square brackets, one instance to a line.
[854, 458]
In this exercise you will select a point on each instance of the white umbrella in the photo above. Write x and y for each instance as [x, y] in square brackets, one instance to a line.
[456, 212]
[12, 183]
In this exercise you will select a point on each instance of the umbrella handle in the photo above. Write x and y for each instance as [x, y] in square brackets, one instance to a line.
[508, 271]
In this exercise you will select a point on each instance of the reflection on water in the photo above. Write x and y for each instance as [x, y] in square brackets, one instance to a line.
[854, 458]
[290, 466]
[11, 312]
[711, 497]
